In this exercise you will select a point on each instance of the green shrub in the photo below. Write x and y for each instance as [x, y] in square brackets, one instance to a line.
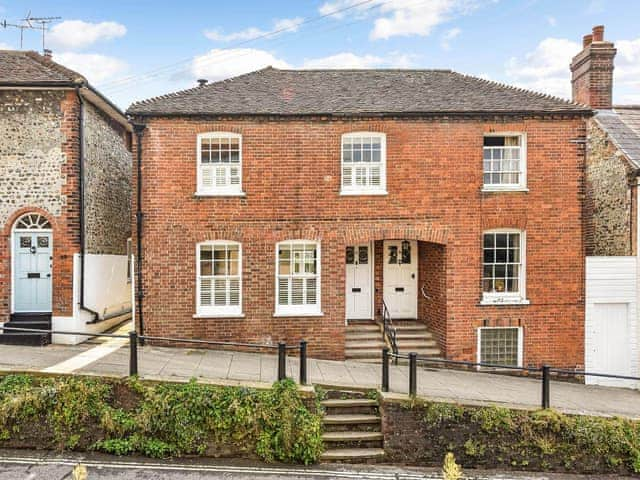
[162, 419]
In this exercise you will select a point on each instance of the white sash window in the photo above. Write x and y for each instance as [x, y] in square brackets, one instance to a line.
[297, 278]
[219, 286]
[364, 164]
[504, 162]
[503, 266]
[219, 164]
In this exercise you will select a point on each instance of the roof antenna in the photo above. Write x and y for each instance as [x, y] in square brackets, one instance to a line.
[202, 82]
[43, 22]
[22, 26]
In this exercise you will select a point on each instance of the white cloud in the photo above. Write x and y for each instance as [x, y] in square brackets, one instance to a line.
[546, 69]
[224, 63]
[344, 60]
[449, 35]
[282, 24]
[77, 34]
[96, 68]
[403, 17]
[627, 71]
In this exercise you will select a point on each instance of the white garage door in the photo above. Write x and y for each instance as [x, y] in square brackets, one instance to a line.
[610, 324]
[610, 345]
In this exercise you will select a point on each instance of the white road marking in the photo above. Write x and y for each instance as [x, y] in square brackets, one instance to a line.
[93, 354]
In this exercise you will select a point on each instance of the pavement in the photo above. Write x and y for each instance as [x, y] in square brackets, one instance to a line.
[32, 465]
[111, 357]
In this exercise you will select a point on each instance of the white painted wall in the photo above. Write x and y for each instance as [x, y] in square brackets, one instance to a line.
[611, 286]
[106, 291]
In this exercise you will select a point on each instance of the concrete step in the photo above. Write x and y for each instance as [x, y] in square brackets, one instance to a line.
[417, 343]
[407, 327]
[25, 338]
[337, 454]
[366, 344]
[426, 352]
[368, 327]
[364, 353]
[358, 335]
[351, 436]
[412, 334]
[349, 402]
[346, 419]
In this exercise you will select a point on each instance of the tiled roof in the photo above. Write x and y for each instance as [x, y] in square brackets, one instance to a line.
[622, 124]
[272, 91]
[28, 68]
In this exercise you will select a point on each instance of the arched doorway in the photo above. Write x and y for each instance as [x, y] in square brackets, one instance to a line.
[32, 261]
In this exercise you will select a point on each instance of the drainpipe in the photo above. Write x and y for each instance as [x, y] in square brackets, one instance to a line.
[94, 314]
[138, 128]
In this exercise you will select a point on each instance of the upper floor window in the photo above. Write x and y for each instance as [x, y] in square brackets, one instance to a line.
[219, 164]
[219, 278]
[298, 278]
[364, 163]
[504, 162]
[503, 271]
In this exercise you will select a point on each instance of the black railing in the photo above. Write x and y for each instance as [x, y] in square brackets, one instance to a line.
[544, 372]
[135, 339]
[389, 333]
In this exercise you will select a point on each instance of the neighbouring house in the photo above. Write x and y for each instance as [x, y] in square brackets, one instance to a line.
[611, 213]
[65, 193]
[315, 204]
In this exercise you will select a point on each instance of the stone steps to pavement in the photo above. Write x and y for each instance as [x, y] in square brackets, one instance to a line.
[352, 428]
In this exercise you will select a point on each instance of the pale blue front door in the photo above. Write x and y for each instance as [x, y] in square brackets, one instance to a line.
[32, 262]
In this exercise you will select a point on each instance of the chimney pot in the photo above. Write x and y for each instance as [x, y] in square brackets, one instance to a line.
[202, 82]
[598, 33]
[48, 54]
[586, 40]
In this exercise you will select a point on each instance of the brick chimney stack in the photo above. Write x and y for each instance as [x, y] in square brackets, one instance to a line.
[592, 71]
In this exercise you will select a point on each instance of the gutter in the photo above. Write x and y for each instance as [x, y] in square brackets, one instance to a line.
[95, 314]
[138, 129]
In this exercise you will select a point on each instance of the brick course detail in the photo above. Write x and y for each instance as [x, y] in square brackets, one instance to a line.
[291, 176]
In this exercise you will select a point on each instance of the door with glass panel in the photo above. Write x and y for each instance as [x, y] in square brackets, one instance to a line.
[359, 263]
[32, 271]
[400, 278]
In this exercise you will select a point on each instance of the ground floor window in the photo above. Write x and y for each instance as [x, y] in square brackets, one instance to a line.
[219, 285]
[297, 278]
[500, 346]
[503, 277]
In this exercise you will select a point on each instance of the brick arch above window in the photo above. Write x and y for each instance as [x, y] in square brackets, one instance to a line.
[15, 216]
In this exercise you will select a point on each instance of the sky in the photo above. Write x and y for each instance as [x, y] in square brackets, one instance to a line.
[132, 50]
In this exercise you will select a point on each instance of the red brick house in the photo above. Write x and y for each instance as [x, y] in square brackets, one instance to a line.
[65, 167]
[290, 204]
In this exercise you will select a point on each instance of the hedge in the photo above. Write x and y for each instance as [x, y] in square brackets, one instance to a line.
[159, 420]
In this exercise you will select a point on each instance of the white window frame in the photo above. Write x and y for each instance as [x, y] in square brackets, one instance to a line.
[299, 310]
[213, 191]
[511, 187]
[520, 343]
[213, 311]
[507, 298]
[354, 189]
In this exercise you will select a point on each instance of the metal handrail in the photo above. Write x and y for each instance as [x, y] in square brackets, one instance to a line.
[62, 332]
[420, 358]
[388, 330]
[212, 342]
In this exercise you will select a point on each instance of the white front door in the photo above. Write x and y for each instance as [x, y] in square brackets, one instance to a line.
[359, 267]
[32, 257]
[400, 278]
[608, 349]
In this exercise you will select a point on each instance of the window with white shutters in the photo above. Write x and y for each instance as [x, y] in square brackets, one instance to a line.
[219, 278]
[363, 163]
[219, 164]
[297, 278]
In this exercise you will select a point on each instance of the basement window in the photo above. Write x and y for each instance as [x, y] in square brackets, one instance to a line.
[504, 162]
[500, 346]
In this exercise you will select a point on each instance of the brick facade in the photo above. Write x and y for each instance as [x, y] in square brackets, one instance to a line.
[291, 176]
